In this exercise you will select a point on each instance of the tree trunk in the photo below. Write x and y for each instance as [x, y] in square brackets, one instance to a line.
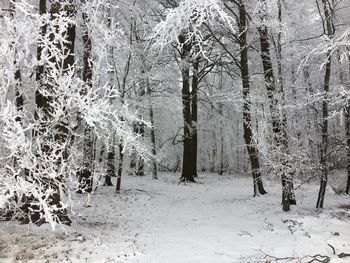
[347, 126]
[140, 163]
[221, 169]
[213, 154]
[31, 211]
[120, 166]
[347, 119]
[85, 175]
[153, 137]
[66, 63]
[194, 115]
[288, 199]
[17, 75]
[280, 148]
[187, 164]
[247, 123]
[42, 102]
[110, 172]
[132, 165]
[111, 151]
[17, 86]
[276, 123]
[324, 144]
[103, 164]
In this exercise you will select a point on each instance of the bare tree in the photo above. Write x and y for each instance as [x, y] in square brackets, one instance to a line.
[247, 122]
[327, 18]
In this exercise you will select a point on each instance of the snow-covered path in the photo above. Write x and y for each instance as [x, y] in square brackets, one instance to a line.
[220, 221]
[215, 221]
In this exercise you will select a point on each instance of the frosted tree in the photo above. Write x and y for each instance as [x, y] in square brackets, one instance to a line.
[247, 122]
[278, 154]
[40, 181]
[184, 26]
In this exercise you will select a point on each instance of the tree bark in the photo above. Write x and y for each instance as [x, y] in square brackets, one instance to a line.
[120, 166]
[324, 143]
[280, 147]
[221, 169]
[347, 126]
[291, 199]
[187, 166]
[214, 151]
[18, 79]
[347, 119]
[132, 165]
[40, 100]
[111, 151]
[110, 162]
[85, 175]
[31, 211]
[34, 214]
[247, 123]
[194, 115]
[153, 136]
[108, 178]
[140, 163]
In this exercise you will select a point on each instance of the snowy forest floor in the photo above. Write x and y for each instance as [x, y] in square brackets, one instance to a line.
[216, 220]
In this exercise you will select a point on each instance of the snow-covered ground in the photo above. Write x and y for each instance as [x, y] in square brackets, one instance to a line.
[216, 220]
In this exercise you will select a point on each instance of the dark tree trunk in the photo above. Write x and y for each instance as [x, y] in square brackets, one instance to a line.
[347, 125]
[347, 119]
[221, 169]
[272, 93]
[110, 167]
[66, 63]
[194, 115]
[213, 154]
[85, 175]
[18, 79]
[31, 211]
[284, 136]
[153, 137]
[110, 161]
[40, 100]
[280, 76]
[43, 29]
[247, 123]
[19, 96]
[132, 165]
[69, 48]
[324, 145]
[140, 161]
[87, 58]
[187, 163]
[43, 104]
[276, 123]
[120, 166]
[108, 181]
